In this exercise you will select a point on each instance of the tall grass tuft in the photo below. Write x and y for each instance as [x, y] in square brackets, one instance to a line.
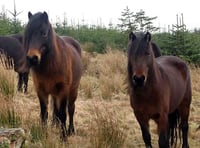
[9, 118]
[106, 128]
[36, 133]
[40, 136]
[89, 86]
[105, 75]
[7, 82]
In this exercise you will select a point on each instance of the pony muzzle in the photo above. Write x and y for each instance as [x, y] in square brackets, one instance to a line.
[33, 57]
[139, 80]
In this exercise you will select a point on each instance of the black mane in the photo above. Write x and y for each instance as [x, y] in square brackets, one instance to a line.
[139, 43]
[35, 23]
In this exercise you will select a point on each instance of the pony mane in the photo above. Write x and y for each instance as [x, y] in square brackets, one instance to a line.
[139, 42]
[35, 23]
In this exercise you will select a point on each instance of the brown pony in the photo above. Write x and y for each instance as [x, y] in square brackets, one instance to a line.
[23, 77]
[19, 37]
[56, 69]
[13, 49]
[160, 89]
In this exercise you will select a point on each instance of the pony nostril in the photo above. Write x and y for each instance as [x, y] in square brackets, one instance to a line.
[33, 60]
[142, 77]
[138, 80]
[134, 78]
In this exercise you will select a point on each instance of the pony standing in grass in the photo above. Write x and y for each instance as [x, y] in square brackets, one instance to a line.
[160, 89]
[56, 69]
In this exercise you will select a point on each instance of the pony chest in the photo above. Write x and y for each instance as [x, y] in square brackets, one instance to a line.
[146, 101]
[50, 85]
[143, 104]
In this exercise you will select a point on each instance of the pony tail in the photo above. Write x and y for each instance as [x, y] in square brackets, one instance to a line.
[174, 131]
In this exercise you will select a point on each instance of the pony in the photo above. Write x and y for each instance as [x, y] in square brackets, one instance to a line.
[19, 37]
[56, 69]
[12, 49]
[23, 77]
[159, 89]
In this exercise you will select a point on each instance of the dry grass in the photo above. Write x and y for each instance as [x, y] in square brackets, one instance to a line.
[106, 126]
[7, 83]
[103, 116]
[104, 76]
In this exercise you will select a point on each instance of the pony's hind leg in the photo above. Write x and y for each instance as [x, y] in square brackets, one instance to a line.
[184, 115]
[71, 109]
[20, 81]
[25, 81]
[184, 110]
[173, 119]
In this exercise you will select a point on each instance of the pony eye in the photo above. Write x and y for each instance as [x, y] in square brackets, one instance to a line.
[147, 53]
[44, 34]
[43, 48]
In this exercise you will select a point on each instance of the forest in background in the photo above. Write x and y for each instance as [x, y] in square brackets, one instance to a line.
[175, 40]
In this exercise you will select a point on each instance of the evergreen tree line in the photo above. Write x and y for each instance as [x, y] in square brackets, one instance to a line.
[97, 38]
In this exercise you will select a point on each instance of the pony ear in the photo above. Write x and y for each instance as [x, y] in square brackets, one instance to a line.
[29, 15]
[132, 36]
[45, 16]
[148, 36]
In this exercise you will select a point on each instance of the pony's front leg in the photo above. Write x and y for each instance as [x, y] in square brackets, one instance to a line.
[163, 131]
[146, 136]
[59, 114]
[144, 125]
[43, 98]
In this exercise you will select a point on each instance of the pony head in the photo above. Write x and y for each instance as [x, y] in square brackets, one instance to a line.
[140, 58]
[37, 37]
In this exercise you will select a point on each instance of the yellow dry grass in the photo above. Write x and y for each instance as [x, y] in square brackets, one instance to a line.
[102, 98]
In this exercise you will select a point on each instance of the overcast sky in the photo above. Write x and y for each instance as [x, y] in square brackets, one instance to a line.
[94, 11]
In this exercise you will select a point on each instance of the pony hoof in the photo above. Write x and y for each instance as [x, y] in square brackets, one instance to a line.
[71, 132]
[148, 146]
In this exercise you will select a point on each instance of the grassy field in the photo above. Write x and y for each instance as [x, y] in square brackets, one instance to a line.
[103, 116]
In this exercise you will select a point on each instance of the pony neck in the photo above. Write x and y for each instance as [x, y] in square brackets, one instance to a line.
[53, 44]
[154, 73]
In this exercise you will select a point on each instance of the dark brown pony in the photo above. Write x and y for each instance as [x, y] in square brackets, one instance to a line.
[56, 69]
[13, 49]
[23, 77]
[19, 37]
[160, 89]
